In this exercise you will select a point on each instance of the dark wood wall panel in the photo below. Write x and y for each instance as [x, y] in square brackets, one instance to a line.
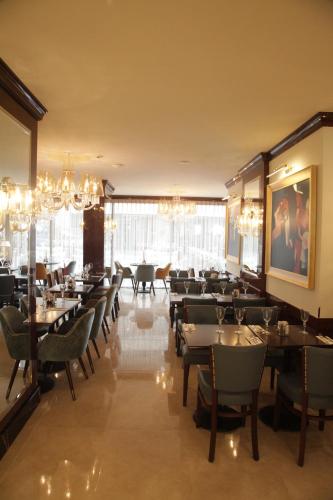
[93, 238]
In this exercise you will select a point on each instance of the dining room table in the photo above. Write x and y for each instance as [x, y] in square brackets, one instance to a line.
[80, 290]
[93, 279]
[50, 316]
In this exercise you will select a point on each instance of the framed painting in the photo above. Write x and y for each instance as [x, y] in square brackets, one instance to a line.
[232, 235]
[291, 228]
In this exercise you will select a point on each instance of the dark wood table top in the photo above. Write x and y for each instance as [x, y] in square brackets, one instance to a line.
[79, 289]
[206, 335]
[294, 340]
[52, 314]
[94, 279]
[226, 299]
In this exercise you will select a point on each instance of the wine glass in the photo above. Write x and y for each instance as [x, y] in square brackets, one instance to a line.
[62, 288]
[267, 316]
[203, 287]
[177, 272]
[305, 318]
[44, 299]
[189, 272]
[239, 315]
[220, 313]
[223, 286]
[186, 286]
[245, 286]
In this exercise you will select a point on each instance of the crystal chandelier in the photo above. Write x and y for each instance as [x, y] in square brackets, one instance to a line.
[54, 195]
[250, 222]
[18, 203]
[176, 207]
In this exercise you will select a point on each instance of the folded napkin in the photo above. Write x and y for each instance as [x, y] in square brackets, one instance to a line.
[257, 328]
[254, 340]
[188, 327]
[325, 340]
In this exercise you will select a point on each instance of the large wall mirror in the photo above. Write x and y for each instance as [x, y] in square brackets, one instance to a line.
[15, 163]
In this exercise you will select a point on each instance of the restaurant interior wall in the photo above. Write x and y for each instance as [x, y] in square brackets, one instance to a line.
[316, 149]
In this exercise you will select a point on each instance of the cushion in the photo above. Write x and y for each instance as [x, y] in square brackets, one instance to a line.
[195, 356]
[291, 385]
[223, 398]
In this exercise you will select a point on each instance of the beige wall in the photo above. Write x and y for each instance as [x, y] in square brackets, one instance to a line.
[317, 149]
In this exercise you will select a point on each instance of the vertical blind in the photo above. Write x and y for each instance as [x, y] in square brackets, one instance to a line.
[196, 241]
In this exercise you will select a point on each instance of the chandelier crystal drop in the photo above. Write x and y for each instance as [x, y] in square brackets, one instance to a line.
[250, 222]
[176, 207]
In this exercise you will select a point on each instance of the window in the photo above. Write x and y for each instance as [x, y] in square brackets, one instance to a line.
[143, 234]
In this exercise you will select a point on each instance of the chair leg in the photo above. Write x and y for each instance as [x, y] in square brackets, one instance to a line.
[213, 427]
[152, 285]
[254, 427]
[12, 378]
[70, 380]
[272, 377]
[133, 284]
[321, 424]
[91, 364]
[113, 315]
[277, 411]
[26, 366]
[94, 343]
[106, 325]
[165, 286]
[83, 367]
[302, 439]
[185, 383]
[243, 410]
[104, 333]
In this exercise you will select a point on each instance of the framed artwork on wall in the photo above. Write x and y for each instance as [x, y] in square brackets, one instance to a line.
[232, 235]
[291, 228]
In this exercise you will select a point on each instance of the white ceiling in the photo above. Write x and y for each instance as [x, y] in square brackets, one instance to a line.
[150, 83]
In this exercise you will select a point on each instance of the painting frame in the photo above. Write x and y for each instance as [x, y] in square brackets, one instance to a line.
[285, 183]
[233, 211]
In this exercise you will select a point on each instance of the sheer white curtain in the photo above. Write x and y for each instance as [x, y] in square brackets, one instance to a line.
[196, 241]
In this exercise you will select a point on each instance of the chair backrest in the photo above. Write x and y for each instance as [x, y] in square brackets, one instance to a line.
[51, 281]
[59, 276]
[208, 274]
[110, 296]
[182, 273]
[108, 271]
[318, 368]
[24, 269]
[254, 315]
[7, 285]
[237, 368]
[215, 287]
[4, 270]
[163, 272]
[195, 288]
[40, 271]
[145, 272]
[16, 334]
[70, 268]
[24, 305]
[204, 314]
[248, 302]
[117, 279]
[173, 282]
[98, 318]
[118, 266]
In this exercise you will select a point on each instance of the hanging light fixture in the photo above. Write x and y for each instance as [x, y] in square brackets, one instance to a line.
[176, 207]
[18, 203]
[250, 222]
[55, 195]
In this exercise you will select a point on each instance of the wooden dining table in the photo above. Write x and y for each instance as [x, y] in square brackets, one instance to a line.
[92, 279]
[79, 290]
[51, 315]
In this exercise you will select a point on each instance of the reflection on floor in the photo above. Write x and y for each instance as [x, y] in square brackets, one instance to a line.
[128, 436]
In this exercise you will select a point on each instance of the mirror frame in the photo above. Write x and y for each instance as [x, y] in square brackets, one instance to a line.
[17, 100]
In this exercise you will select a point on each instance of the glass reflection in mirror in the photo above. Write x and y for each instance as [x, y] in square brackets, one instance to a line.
[15, 155]
[252, 243]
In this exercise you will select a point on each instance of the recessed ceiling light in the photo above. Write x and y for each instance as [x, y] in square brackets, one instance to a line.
[117, 165]
[99, 157]
[184, 162]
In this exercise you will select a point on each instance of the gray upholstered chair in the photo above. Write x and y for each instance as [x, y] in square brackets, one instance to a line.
[17, 340]
[174, 281]
[144, 274]
[69, 346]
[233, 380]
[274, 357]
[249, 302]
[96, 326]
[194, 288]
[4, 270]
[109, 308]
[24, 305]
[312, 389]
[199, 314]
[126, 273]
[182, 273]
[7, 290]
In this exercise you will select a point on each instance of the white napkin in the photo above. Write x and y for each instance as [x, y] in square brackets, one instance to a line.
[325, 340]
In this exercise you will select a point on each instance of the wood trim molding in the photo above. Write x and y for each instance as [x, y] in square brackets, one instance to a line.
[321, 119]
[261, 158]
[137, 198]
[11, 83]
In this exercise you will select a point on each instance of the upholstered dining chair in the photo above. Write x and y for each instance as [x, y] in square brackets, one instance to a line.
[249, 302]
[224, 386]
[127, 273]
[51, 280]
[311, 390]
[174, 281]
[162, 273]
[7, 290]
[144, 273]
[59, 276]
[17, 340]
[70, 268]
[194, 288]
[199, 314]
[41, 273]
[69, 346]
[183, 273]
[4, 270]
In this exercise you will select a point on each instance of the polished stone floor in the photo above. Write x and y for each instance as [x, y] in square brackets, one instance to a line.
[128, 437]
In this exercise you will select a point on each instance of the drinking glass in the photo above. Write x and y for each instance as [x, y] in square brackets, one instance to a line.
[220, 313]
[203, 287]
[223, 286]
[186, 286]
[189, 272]
[245, 286]
[44, 298]
[177, 272]
[267, 316]
[62, 287]
[305, 318]
[239, 315]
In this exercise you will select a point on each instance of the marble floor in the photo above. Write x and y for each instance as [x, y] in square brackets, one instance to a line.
[128, 437]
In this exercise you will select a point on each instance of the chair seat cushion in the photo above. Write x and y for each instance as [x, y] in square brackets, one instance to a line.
[223, 398]
[195, 356]
[291, 385]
